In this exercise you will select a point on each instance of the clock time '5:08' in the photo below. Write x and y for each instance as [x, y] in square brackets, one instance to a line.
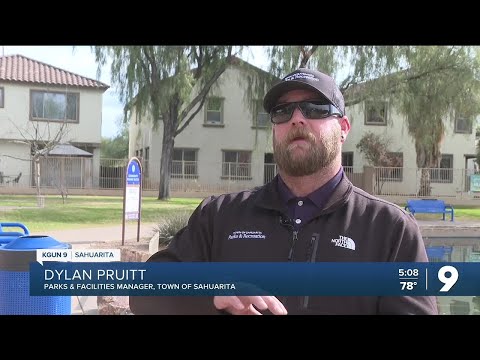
[407, 272]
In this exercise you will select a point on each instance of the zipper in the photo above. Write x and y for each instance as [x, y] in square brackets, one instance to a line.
[290, 255]
[294, 241]
[311, 257]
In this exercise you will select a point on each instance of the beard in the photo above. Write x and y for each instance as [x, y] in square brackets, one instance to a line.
[306, 159]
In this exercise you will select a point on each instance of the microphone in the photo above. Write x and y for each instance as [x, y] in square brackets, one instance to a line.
[285, 221]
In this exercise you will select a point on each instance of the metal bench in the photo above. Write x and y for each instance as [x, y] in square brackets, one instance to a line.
[429, 206]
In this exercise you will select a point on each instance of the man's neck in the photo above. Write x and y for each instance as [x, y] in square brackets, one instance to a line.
[304, 185]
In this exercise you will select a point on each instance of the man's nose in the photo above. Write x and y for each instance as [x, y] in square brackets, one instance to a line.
[297, 117]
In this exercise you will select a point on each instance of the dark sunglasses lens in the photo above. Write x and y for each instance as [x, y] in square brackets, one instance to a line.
[315, 111]
[282, 113]
[310, 109]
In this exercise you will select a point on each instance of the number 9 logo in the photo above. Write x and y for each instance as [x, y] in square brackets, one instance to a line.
[447, 281]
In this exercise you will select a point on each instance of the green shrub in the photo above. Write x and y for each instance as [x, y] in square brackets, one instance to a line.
[169, 226]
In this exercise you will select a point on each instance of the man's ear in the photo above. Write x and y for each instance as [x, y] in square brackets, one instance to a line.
[345, 126]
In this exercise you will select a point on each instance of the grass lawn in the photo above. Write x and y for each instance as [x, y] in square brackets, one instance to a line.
[87, 211]
[82, 211]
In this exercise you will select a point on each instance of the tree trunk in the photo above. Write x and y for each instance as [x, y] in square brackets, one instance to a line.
[168, 143]
[37, 175]
[40, 198]
[425, 188]
[427, 158]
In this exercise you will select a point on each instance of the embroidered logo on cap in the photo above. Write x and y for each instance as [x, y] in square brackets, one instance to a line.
[300, 75]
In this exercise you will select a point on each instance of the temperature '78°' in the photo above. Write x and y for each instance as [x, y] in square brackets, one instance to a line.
[408, 285]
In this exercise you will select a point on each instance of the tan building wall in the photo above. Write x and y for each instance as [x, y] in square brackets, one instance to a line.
[396, 132]
[15, 116]
[237, 133]
[16, 126]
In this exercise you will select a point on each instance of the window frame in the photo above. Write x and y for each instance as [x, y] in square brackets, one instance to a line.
[259, 110]
[207, 122]
[347, 155]
[442, 175]
[459, 131]
[66, 93]
[369, 106]
[2, 97]
[184, 163]
[238, 165]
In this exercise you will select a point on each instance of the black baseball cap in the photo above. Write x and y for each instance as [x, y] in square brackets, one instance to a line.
[306, 79]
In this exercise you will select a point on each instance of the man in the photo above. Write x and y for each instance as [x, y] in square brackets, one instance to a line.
[310, 200]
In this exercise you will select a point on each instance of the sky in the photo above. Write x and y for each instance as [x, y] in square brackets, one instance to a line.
[81, 60]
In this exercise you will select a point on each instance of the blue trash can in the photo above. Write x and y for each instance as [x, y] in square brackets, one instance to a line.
[7, 236]
[15, 259]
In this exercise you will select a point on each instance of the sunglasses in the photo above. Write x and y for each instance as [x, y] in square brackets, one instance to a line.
[310, 109]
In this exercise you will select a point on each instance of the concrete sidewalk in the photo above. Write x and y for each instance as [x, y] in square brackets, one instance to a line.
[86, 237]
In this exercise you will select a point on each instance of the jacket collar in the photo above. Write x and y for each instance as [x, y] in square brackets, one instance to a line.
[269, 197]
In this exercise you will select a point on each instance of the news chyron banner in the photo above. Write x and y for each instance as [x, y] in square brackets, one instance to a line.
[61, 277]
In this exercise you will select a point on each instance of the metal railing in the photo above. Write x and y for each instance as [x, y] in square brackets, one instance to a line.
[427, 182]
[192, 176]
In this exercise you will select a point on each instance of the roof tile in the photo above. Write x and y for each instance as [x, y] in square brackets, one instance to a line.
[20, 68]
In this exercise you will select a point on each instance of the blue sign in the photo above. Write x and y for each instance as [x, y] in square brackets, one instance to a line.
[278, 279]
[132, 190]
[133, 173]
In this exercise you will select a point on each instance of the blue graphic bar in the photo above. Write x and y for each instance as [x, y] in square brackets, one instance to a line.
[279, 279]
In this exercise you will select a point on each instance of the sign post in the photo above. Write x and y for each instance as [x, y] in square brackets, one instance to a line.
[132, 195]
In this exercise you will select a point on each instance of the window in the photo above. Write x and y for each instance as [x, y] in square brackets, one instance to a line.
[54, 106]
[347, 158]
[214, 112]
[269, 167]
[394, 170]
[347, 162]
[2, 103]
[236, 165]
[262, 119]
[184, 164]
[443, 174]
[145, 163]
[463, 125]
[376, 113]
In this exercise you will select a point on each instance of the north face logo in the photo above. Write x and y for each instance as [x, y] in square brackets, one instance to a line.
[344, 242]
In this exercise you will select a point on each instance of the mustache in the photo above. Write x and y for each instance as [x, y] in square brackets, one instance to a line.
[300, 133]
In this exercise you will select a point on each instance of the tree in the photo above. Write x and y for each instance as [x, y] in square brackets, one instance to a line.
[169, 83]
[116, 148]
[41, 137]
[429, 85]
[374, 148]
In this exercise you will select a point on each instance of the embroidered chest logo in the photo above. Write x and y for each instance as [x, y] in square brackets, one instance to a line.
[246, 235]
[344, 242]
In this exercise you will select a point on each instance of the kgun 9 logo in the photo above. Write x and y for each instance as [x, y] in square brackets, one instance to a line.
[450, 280]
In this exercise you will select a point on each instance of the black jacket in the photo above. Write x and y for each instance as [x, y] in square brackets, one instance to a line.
[380, 231]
